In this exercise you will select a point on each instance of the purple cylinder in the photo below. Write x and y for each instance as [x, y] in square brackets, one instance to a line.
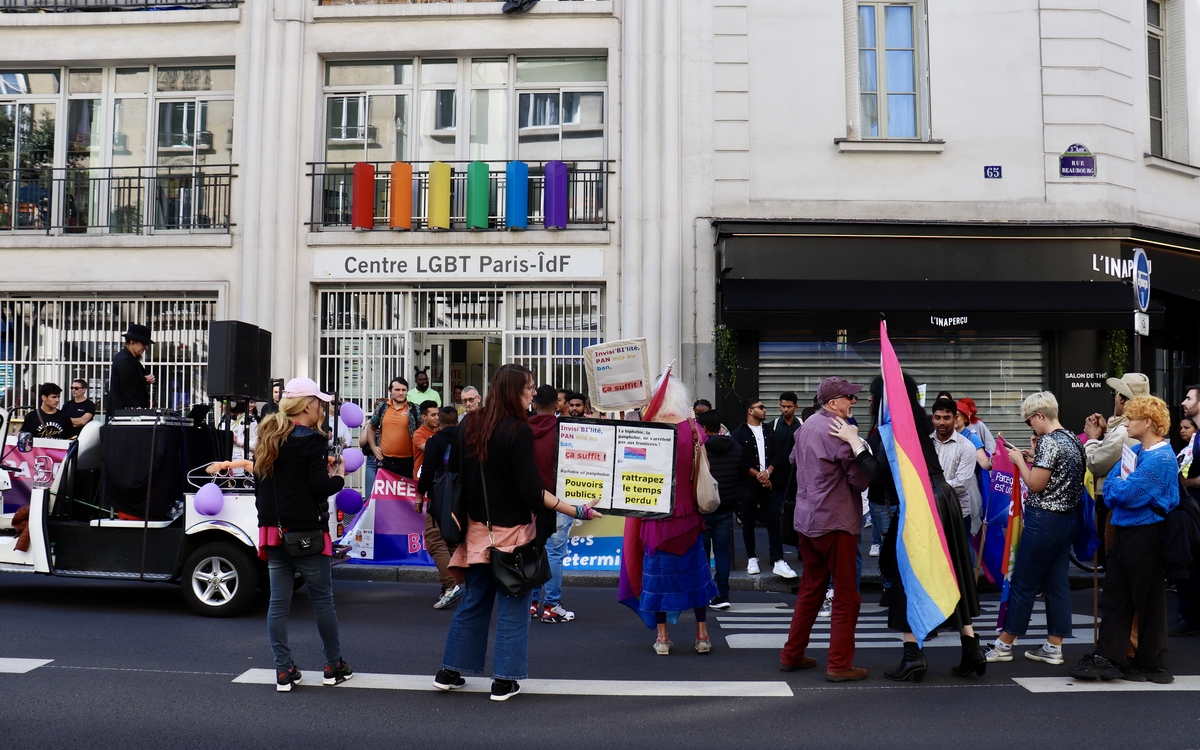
[554, 210]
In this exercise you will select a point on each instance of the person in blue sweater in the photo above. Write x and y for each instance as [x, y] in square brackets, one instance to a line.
[1134, 577]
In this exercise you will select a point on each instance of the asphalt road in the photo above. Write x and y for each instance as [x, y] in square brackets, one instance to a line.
[132, 668]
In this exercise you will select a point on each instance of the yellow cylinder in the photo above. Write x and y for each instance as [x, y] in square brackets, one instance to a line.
[439, 196]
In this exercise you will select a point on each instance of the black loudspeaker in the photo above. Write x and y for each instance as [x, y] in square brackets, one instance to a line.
[239, 361]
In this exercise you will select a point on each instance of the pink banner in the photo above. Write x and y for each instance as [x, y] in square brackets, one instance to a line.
[388, 530]
[39, 467]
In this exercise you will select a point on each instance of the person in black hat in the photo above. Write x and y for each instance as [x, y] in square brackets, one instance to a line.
[129, 383]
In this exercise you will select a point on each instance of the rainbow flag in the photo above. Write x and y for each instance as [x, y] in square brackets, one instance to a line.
[921, 550]
[1012, 540]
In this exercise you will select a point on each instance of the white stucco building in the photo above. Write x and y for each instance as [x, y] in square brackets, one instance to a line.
[786, 169]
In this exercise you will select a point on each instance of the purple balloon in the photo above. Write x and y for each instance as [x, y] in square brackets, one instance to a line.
[351, 414]
[349, 501]
[209, 500]
[353, 459]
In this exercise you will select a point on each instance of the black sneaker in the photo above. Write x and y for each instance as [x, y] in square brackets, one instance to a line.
[1142, 674]
[338, 673]
[885, 600]
[719, 602]
[502, 690]
[285, 680]
[1093, 667]
[448, 679]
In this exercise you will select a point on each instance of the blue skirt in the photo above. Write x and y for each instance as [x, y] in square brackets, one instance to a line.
[673, 583]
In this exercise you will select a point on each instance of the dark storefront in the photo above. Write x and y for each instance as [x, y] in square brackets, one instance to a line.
[988, 311]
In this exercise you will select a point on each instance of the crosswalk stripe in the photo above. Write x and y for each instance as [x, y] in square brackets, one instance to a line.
[21, 666]
[889, 640]
[1185, 683]
[635, 688]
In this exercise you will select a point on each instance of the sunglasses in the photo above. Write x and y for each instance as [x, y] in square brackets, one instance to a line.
[78, 388]
[851, 398]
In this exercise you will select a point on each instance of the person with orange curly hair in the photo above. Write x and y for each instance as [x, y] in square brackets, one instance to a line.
[1140, 499]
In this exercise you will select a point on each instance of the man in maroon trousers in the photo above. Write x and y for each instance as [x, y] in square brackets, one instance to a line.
[829, 486]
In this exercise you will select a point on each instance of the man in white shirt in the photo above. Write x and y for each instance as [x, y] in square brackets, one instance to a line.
[956, 453]
[759, 462]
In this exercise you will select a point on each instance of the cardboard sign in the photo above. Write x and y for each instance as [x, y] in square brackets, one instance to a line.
[628, 467]
[618, 375]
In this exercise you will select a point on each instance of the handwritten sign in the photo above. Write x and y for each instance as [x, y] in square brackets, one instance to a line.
[628, 467]
[618, 374]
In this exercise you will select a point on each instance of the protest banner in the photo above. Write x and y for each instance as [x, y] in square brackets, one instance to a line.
[618, 374]
[628, 467]
[388, 530]
[38, 468]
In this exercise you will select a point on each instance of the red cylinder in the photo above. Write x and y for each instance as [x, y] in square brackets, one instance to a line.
[362, 197]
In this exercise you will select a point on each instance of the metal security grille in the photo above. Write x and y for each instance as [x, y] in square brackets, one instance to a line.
[364, 334]
[997, 371]
[59, 339]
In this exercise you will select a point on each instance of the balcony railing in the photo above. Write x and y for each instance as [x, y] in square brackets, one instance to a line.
[66, 6]
[116, 200]
[587, 195]
[417, 2]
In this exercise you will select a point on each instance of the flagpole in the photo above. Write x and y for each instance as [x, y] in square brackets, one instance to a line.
[982, 544]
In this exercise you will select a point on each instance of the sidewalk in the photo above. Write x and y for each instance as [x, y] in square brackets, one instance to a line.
[738, 580]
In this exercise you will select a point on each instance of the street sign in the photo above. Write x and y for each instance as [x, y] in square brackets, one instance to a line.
[1077, 161]
[1141, 323]
[993, 173]
[1141, 279]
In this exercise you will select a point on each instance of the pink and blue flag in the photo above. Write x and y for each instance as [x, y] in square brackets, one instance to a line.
[922, 553]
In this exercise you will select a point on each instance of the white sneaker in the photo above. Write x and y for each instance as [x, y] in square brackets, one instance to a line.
[826, 606]
[783, 570]
[752, 567]
[874, 551]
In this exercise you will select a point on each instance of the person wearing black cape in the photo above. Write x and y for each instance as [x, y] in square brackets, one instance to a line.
[871, 456]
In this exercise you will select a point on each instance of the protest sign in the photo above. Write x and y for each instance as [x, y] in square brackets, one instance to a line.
[618, 374]
[388, 530]
[628, 467]
[38, 468]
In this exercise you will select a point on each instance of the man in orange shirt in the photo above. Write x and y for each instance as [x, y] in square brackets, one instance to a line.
[429, 427]
[394, 423]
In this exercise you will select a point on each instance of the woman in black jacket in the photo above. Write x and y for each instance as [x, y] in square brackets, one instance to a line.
[293, 484]
[876, 466]
[504, 494]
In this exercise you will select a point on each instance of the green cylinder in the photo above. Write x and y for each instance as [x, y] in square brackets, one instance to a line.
[479, 189]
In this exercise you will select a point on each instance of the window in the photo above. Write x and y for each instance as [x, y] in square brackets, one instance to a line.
[558, 112]
[1156, 73]
[135, 142]
[889, 71]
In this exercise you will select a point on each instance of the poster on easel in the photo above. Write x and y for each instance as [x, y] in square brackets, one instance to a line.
[627, 467]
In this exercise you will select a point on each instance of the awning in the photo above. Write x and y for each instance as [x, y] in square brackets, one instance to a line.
[1008, 305]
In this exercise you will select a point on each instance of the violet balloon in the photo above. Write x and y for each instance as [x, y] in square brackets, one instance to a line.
[351, 414]
[209, 500]
[353, 459]
[349, 501]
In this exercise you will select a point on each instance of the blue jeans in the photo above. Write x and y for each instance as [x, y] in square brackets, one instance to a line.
[717, 530]
[466, 643]
[1042, 562]
[316, 572]
[881, 521]
[556, 549]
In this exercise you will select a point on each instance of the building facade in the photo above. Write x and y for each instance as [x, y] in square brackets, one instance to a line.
[747, 185]
[979, 173]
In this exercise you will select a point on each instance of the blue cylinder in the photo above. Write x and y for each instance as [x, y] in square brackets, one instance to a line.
[516, 195]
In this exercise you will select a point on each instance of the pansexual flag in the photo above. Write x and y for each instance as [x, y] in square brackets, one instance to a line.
[921, 550]
[1012, 541]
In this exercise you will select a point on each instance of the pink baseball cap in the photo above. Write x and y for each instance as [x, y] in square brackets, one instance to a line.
[302, 387]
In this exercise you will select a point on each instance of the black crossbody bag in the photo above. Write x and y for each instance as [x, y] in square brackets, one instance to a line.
[298, 543]
[518, 572]
[446, 506]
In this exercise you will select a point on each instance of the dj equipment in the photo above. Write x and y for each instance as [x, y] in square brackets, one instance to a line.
[239, 361]
[149, 417]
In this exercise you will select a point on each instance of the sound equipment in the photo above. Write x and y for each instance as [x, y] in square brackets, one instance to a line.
[239, 361]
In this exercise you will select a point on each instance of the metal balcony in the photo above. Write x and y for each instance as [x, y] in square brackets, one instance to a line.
[116, 200]
[587, 199]
[69, 6]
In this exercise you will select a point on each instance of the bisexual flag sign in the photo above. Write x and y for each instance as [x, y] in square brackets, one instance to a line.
[388, 530]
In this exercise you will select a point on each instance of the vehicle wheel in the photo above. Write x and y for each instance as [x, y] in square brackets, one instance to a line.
[219, 580]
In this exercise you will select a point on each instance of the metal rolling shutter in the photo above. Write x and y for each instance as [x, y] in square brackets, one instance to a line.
[998, 372]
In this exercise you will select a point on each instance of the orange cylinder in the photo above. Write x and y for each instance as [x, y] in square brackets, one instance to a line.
[400, 201]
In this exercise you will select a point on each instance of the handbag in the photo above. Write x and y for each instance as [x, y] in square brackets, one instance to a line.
[707, 491]
[447, 506]
[298, 543]
[518, 572]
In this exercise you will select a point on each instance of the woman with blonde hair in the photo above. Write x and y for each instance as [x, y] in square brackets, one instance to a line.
[293, 483]
[1133, 574]
[664, 565]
